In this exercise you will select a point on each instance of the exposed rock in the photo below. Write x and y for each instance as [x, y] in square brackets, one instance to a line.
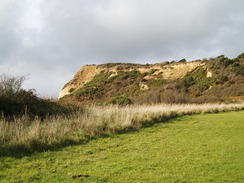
[209, 74]
[165, 71]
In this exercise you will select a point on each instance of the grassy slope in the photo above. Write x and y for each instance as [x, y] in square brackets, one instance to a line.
[199, 148]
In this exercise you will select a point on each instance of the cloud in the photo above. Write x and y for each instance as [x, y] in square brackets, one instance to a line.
[52, 39]
[117, 30]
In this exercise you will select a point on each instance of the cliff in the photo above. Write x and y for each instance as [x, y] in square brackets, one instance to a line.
[165, 71]
[209, 80]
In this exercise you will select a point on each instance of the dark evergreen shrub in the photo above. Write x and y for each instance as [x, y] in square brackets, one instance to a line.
[120, 100]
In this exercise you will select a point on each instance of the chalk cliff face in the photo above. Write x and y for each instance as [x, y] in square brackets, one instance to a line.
[165, 71]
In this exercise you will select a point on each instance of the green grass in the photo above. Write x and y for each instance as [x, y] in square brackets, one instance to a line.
[198, 148]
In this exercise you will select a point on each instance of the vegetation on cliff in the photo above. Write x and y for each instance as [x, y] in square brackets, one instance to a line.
[214, 80]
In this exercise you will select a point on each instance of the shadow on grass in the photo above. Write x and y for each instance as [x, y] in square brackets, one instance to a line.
[19, 151]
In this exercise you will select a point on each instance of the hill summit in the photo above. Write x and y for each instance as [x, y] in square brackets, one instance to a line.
[205, 80]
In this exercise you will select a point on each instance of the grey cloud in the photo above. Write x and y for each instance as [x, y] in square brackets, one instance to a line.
[52, 39]
[115, 30]
[9, 39]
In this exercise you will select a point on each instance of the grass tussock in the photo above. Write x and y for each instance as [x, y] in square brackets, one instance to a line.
[26, 135]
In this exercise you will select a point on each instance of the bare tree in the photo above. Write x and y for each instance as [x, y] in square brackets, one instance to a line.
[10, 84]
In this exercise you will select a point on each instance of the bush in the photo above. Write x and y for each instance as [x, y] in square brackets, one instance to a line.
[94, 89]
[155, 83]
[10, 84]
[122, 75]
[240, 71]
[197, 77]
[182, 60]
[90, 92]
[16, 101]
[241, 55]
[120, 100]
[222, 79]
[226, 61]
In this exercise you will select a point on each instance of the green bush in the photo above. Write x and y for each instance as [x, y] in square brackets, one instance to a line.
[241, 55]
[95, 88]
[90, 92]
[155, 83]
[119, 100]
[122, 75]
[99, 79]
[236, 64]
[188, 81]
[221, 56]
[153, 71]
[240, 71]
[222, 79]
[182, 60]
[197, 77]
[226, 61]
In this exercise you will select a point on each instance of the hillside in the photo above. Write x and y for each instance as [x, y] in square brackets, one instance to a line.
[215, 79]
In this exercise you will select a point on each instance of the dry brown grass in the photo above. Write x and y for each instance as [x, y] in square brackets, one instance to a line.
[93, 122]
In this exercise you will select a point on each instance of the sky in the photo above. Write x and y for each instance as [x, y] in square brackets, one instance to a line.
[52, 39]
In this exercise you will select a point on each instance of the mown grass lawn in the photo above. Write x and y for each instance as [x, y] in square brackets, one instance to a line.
[198, 148]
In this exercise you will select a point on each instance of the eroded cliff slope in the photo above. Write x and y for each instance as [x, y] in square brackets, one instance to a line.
[179, 82]
[163, 71]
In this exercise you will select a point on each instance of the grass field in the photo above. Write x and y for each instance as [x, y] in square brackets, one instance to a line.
[197, 148]
[24, 135]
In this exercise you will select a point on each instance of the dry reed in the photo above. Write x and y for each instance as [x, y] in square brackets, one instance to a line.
[92, 122]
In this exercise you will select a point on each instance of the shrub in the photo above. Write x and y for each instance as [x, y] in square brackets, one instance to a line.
[222, 79]
[155, 83]
[236, 64]
[240, 71]
[153, 71]
[182, 60]
[241, 55]
[226, 62]
[99, 79]
[16, 101]
[90, 92]
[120, 100]
[95, 88]
[122, 75]
[187, 82]
[199, 78]
[221, 56]
[10, 84]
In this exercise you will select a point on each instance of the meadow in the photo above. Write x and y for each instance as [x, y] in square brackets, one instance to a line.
[24, 135]
[189, 148]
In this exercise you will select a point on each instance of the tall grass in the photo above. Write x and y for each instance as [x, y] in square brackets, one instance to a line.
[26, 135]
